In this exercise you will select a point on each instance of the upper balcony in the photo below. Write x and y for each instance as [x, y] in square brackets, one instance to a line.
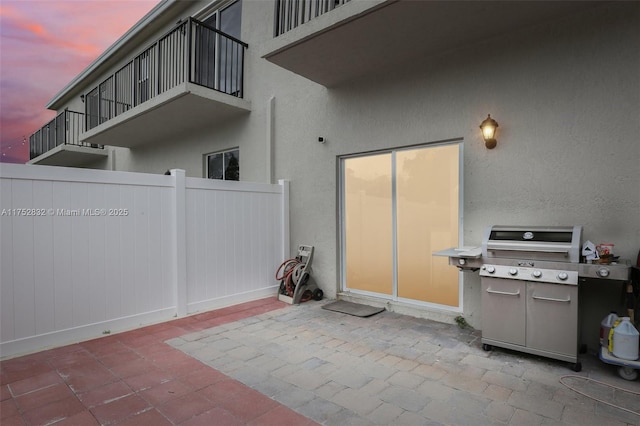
[333, 42]
[191, 77]
[58, 143]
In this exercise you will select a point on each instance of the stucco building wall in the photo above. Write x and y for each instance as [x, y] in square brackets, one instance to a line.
[566, 95]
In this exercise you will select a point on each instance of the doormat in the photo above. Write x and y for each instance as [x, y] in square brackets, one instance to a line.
[352, 308]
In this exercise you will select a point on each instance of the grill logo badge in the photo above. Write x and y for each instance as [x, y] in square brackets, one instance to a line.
[527, 235]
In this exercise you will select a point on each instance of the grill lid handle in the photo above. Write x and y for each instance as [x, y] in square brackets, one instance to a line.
[504, 247]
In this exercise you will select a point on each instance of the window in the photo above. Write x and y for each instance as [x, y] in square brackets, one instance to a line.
[224, 165]
[217, 58]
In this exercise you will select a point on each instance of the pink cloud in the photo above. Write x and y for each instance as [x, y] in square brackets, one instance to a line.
[45, 44]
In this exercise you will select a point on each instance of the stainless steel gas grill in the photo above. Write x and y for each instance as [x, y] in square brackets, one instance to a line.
[529, 283]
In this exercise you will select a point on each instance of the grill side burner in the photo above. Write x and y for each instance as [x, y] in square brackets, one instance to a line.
[617, 271]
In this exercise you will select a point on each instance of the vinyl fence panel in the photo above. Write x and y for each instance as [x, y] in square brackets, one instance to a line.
[88, 252]
[234, 240]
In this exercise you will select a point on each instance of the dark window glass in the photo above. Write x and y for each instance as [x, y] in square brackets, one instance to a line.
[232, 165]
[215, 169]
[218, 59]
[224, 165]
[231, 19]
[230, 53]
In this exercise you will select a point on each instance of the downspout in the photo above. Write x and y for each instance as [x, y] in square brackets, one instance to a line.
[270, 145]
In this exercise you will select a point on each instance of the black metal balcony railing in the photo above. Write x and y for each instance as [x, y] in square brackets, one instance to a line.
[65, 128]
[192, 51]
[291, 13]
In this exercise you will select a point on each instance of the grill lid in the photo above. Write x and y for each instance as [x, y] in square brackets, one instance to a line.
[552, 243]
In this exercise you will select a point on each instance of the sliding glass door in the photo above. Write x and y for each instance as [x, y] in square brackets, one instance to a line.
[398, 208]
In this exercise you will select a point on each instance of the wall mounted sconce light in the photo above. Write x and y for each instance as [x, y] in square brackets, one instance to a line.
[489, 126]
[82, 98]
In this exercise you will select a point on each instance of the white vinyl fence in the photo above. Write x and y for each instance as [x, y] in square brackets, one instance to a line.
[89, 252]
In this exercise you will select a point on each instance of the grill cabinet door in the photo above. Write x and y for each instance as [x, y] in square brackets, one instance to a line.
[503, 310]
[552, 318]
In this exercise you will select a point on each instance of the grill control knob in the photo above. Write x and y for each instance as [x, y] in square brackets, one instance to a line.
[562, 276]
[537, 274]
[513, 271]
[603, 272]
[462, 262]
[491, 269]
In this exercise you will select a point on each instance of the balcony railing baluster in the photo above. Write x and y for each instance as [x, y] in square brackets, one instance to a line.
[290, 14]
[192, 50]
[64, 129]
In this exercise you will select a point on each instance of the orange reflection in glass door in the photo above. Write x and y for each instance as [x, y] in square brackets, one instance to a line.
[425, 206]
[427, 188]
[368, 224]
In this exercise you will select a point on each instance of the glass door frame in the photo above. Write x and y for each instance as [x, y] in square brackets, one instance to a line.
[216, 14]
[342, 223]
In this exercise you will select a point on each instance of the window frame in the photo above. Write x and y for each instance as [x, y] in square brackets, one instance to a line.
[222, 153]
[342, 230]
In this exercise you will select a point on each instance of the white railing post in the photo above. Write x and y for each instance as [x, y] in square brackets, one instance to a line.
[179, 241]
[286, 244]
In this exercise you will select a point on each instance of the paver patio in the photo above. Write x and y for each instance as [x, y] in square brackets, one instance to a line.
[133, 378]
[392, 369]
[268, 363]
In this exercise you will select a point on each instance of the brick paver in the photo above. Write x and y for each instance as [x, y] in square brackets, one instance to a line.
[393, 369]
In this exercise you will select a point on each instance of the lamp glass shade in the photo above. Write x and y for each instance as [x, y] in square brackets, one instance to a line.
[489, 126]
[488, 131]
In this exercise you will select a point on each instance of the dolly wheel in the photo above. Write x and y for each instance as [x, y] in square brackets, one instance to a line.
[577, 367]
[486, 347]
[317, 294]
[628, 373]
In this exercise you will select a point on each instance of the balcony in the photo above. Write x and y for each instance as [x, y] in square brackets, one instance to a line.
[189, 78]
[58, 143]
[333, 42]
[292, 13]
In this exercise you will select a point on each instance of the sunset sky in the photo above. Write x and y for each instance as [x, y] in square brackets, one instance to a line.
[44, 44]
